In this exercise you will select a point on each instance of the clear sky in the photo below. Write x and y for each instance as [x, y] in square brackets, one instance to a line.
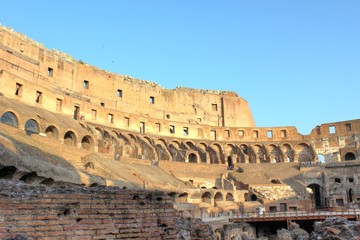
[297, 63]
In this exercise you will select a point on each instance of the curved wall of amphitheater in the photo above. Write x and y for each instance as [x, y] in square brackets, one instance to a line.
[179, 124]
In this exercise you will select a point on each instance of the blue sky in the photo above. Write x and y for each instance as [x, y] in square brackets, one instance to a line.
[297, 63]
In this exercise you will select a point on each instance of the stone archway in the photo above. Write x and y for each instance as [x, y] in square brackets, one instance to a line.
[350, 156]
[52, 132]
[31, 127]
[87, 143]
[9, 118]
[70, 138]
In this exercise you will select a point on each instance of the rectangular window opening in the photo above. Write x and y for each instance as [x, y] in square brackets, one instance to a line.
[168, 116]
[255, 134]
[332, 129]
[38, 97]
[93, 114]
[152, 100]
[111, 118]
[86, 84]
[318, 130]
[269, 134]
[50, 72]
[227, 133]
[186, 131]
[158, 127]
[102, 104]
[127, 121]
[76, 112]
[119, 93]
[241, 133]
[19, 89]
[172, 129]
[283, 133]
[213, 134]
[142, 127]
[214, 107]
[348, 127]
[58, 104]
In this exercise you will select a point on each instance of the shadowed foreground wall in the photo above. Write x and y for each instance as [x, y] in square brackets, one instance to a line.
[73, 212]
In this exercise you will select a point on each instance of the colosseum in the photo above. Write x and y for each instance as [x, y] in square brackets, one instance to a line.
[90, 154]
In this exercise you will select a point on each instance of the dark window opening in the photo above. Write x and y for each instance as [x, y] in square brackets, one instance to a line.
[349, 156]
[142, 127]
[272, 209]
[19, 89]
[227, 133]
[168, 116]
[213, 134]
[337, 180]
[152, 100]
[172, 129]
[255, 134]
[50, 72]
[318, 130]
[351, 180]
[283, 133]
[340, 202]
[76, 112]
[102, 104]
[38, 97]
[119, 93]
[186, 131]
[348, 127]
[86, 84]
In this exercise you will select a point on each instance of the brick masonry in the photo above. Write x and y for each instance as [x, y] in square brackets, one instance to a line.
[75, 212]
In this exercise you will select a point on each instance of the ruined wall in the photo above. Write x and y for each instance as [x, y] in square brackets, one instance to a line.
[72, 212]
[338, 141]
[64, 81]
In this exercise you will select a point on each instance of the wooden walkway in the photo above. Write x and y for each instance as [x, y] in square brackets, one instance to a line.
[294, 215]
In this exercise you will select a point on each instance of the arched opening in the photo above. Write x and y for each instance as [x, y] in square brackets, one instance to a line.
[350, 195]
[275, 181]
[229, 197]
[349, 156]
[253, 198]
[70, 138]
[29, 177]
[303, 153]
[218, 197]
[183, 198]
[52, 132]
[31, 127]
[9, 118]
[87, 142]
[48, 181]
[192, 158]
[288, 153]
[230, 163]
[7, 172]
[206, 197]
[172, 195]
[315, 194]
[321, 158]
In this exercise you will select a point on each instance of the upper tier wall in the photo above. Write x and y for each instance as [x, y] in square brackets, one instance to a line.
[59, 74]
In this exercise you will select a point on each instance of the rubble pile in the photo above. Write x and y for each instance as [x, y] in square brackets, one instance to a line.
[336, 229]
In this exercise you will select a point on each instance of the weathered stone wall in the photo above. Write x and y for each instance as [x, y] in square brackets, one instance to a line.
[55, 74]
[73, 212]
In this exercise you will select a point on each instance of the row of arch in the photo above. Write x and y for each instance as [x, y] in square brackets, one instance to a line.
[138, 146]
[32, 126]
[206, 197]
